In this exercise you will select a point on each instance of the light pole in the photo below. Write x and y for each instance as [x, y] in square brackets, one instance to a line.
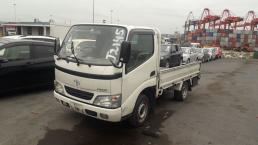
[51, 19]
[111, 16]
[93, 11]
[14, 6]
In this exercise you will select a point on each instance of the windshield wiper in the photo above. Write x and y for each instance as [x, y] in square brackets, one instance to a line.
[115, 65]
[72, 49]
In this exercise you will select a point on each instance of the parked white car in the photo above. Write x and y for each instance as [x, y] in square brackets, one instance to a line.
[200, 53]
[212, 53]
[189, 55]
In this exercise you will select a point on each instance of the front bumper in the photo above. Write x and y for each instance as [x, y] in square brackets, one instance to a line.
[111, 115]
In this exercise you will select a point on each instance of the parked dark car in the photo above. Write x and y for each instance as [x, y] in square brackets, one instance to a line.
[171, 55]
[31, 37]
[25, 63]
[206, 56]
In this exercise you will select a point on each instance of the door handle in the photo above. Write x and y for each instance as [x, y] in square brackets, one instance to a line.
[152, 73]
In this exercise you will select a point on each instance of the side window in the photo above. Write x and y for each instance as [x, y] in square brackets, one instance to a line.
[173, 49]
[142, 48]
[19, 52]
[41, 51]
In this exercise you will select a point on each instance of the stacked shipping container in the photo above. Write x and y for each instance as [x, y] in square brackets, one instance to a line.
[228, 39]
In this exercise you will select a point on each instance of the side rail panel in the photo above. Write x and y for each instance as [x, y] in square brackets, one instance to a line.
[173, 76]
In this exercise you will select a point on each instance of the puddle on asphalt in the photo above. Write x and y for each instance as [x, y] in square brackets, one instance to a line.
[95, 132]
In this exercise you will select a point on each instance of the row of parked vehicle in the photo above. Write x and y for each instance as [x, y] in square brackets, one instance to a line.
[173, 55]
[191, 54]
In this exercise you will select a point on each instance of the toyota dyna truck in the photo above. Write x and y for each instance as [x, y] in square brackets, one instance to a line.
[113, 73]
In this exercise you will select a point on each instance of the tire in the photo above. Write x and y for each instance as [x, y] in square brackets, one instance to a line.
[188, 61]
[182, 95]
[141, 111]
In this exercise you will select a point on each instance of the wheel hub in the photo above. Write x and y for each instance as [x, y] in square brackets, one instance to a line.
[185, 91]
[142, 112]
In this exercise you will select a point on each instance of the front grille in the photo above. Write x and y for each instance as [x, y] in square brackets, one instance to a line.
[79, 94]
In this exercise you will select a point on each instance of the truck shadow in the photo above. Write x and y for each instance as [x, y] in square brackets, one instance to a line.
[95, 132]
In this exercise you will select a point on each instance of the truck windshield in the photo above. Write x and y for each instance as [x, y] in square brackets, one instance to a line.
[94, 44]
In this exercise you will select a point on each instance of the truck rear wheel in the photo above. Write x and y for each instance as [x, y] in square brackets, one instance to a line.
[182, 95]
[141, 111]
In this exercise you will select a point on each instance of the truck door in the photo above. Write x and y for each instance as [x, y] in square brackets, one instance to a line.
[142, 64]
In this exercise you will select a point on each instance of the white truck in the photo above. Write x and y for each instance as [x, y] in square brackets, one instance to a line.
[113, 73]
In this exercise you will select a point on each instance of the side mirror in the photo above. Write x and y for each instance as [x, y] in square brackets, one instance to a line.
[125, 52]
[57, 46]
[3, 60]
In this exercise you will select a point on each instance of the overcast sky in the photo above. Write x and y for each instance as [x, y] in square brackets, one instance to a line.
[167, 15]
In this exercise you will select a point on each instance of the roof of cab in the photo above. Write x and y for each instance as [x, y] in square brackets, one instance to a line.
[129, 27]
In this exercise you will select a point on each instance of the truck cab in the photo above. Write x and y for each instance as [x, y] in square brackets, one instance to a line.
[112, 72]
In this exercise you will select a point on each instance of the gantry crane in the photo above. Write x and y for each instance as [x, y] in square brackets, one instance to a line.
[250, 22]
[190, 21]
[207, 18]
[227, 18]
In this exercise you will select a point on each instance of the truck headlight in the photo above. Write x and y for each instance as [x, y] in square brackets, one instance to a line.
[58, 87]
[112, 102]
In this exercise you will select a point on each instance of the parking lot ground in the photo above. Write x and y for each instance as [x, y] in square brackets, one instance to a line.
[222, 110]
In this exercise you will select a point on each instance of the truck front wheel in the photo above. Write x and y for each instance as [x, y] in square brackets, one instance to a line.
[182, 95]
[141, 111]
